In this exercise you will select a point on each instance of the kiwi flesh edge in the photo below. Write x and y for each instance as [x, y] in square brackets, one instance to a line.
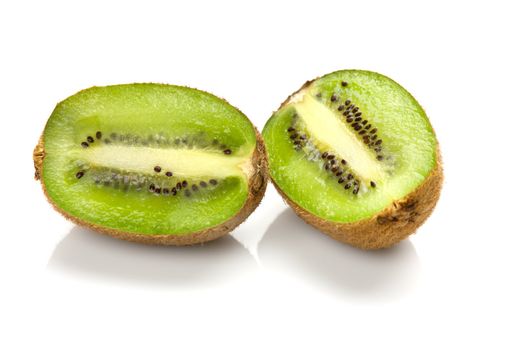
[257, 187]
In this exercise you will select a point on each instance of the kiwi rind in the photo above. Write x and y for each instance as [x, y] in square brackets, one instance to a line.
[389, 226]
[257, 187]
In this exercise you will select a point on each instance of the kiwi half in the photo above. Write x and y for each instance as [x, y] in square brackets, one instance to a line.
[151, 163]
[354, 154]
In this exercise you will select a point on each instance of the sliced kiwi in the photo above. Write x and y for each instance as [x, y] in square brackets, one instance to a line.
[151, 163]
[354, 155]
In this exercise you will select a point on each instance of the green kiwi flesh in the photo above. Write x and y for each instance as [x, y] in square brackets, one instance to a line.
[347, 147]
[151, 159]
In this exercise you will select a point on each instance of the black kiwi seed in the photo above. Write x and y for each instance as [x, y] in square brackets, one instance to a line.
[178, 185]
[99, 135]
[333, 98]
[293, 136]
[194, 187]
[344, 83]
[373, 131]
[335, 169]
[366, 141]
[346, 113]
[374, 137]
[343, 161]
[357, 128]
[339, 173]
[340, 108]
[174, 191]
[341, 180]
[184, 183]
[358, 114]
[90, 139]
[79, 174]
[187, 193]
[169, 174]
[355, 110]
[213, 182]
[347, 102]
[324, 155]
[84, 144]
[157, 169]
[157, 190]
[347, 186]
[358, 119]
[378, 142]
[373, 184]
[362, 132]
[350, 177]
[349, 120]
[227, 151]
[330, 156]
[356, 190]
[166, 191]
[368, 126]
[152, 188]
[290, 129]
[203, 184]
[327, 166]
[380, 157]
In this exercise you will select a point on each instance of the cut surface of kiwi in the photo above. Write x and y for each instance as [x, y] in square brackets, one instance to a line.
[150, 162]
[351, 148]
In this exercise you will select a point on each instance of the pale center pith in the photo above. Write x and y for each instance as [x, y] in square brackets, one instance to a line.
[327, 128]
[180, 162]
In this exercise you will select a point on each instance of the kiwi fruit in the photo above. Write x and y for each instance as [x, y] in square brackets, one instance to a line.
[354, 154]
[151, 163]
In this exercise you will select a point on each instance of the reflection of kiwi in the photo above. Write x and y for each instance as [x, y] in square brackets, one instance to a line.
[354, 155]
[151, 163]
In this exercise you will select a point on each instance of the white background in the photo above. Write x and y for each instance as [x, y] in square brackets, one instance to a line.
[275, 282]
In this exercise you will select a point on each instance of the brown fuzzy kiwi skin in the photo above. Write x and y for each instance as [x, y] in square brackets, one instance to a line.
[390, 226]
[393, 224]
[257, 187]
